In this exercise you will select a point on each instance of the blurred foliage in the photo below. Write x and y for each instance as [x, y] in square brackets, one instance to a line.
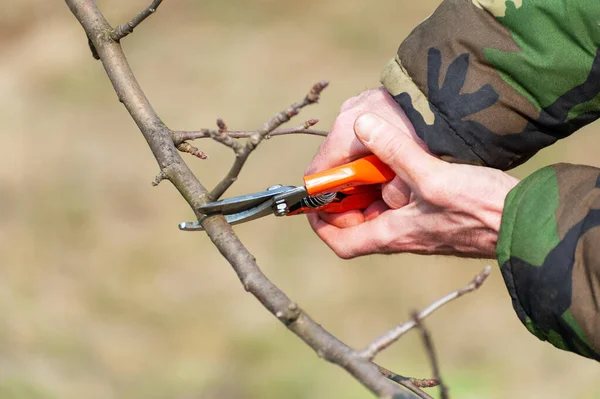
[103, 297]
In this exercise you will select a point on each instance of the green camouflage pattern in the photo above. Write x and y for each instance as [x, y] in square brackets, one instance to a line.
[502, 80]
[491, 82]
[550, 258]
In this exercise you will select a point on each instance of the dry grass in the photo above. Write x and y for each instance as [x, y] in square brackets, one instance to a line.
[102, 296]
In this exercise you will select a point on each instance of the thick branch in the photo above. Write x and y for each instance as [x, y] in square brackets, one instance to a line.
[175, 170]
[123, 30]
[392, 336]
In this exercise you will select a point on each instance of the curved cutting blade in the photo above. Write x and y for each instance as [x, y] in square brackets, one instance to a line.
[243, 203]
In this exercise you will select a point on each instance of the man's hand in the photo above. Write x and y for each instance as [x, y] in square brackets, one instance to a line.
[431, 207]
[342, 146]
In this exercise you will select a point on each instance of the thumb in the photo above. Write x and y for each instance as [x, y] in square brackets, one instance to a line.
[395, 147]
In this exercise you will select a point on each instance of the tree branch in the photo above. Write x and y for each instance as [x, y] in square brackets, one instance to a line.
[393, 335]
[242, 153]
[123, 30]
[412, 384]
[428, 343]
[180, 135]
[173, 168]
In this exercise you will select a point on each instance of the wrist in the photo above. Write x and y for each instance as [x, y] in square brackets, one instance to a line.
[488, 209]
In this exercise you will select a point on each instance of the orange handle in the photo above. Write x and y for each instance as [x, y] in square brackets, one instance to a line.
[356, 201]
[349, 199]
[367, 170]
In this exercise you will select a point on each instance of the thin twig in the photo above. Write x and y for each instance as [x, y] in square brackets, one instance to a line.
[242, 154]
[241, 134]
[223, 137]
[412, 384]
[228, 138]
[123, 30]
[428, 343]
[393, 335]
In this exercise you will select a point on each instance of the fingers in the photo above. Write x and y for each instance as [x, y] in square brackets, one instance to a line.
[396, 193]
[368, 237]
[355, 217]
[343, 220]
[396, 148]
[376, 209]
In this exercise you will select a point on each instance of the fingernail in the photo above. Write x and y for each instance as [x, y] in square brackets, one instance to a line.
[365, 125]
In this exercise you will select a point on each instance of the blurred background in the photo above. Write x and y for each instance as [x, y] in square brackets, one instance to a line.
[102, 296]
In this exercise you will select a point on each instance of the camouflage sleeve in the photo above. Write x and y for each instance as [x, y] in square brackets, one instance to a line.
[491, 82]
[550, 258]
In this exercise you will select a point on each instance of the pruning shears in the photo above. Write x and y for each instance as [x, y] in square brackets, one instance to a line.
[354, 185]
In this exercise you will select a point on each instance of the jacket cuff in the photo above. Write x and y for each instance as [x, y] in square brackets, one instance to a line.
[430, 125]
[547, 264]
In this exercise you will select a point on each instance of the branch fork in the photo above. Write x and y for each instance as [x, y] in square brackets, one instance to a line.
[395, 334]
[123, 30]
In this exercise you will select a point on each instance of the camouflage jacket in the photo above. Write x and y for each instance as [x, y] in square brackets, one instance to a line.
[491, 82]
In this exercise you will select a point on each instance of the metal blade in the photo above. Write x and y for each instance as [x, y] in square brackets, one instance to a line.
[243, 203]
[251, 206]
[263, 209]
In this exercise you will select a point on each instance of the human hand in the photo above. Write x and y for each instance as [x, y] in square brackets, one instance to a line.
[431, 207]
[342, 146]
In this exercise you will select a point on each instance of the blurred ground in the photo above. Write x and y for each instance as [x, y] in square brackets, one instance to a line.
[102, 296]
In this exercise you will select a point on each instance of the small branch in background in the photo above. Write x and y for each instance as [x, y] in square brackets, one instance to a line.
[393, 335]
[242, 154]
[428, 343]
[412, 384]
[123, 30]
